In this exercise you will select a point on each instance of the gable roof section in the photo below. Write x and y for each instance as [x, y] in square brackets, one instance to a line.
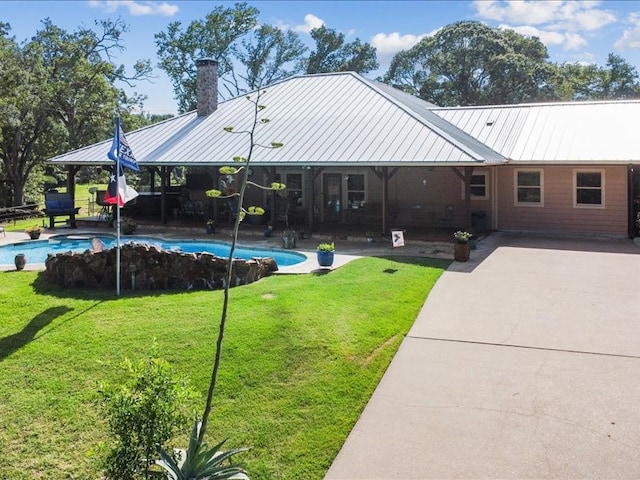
[338, 119]
[571, 132]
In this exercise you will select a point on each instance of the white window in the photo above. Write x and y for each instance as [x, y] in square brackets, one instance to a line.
[529, 187]
[355, 190]
[479, 186]
[588, 188]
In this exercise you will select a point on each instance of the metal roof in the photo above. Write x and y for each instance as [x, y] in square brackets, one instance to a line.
[572, 132]
[326, 119]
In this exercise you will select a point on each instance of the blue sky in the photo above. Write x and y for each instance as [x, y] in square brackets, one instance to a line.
[573, 31]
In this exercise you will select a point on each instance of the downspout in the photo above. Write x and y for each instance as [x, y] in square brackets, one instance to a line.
[631, 199]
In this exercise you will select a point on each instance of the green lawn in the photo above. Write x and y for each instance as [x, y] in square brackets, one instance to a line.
[302, 355]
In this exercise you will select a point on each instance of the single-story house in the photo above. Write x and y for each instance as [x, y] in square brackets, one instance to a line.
[358, 151]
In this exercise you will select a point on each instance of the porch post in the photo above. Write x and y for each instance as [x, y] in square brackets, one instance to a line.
[71, 180]
[307, 178]
[466, 178]
[272, 203]
[385, 194]
[163, 197]
[468, 171]
[384, 175]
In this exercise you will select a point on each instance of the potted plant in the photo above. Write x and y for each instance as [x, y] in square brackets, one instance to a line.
[461, 248]
[211, 226]
[34, 232]
[325, 252]
[370, 236]
[289, 239]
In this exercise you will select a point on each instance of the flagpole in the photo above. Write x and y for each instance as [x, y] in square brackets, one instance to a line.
[118, 206]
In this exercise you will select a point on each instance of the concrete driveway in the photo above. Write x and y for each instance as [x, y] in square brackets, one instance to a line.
[523, 363]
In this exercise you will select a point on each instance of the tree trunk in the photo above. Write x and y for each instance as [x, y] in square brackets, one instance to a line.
[18, 191]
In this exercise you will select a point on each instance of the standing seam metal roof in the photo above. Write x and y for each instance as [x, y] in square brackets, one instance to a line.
[338, 119]
[569, 132]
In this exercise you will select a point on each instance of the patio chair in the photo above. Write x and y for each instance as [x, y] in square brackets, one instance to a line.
[106, 209]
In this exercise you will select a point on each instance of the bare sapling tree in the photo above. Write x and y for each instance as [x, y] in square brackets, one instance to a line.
[200, 461]
[241, 164]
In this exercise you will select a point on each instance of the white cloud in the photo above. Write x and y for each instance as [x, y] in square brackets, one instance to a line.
[310, 22]
[570, 15]
[568, 41]
[534, 12]
[137, 8]
[566, 24]
[388, 44]
[630, 37]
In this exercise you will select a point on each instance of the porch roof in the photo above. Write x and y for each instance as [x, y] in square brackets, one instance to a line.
[602, 132]
[336, 119]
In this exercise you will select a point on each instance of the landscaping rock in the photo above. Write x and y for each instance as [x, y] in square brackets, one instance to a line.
[147, 267]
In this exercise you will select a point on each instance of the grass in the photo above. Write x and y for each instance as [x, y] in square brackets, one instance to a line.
[302, 355]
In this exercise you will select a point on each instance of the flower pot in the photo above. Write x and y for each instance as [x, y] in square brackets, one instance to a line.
[288, 241]
[461, 251]
[211, 229]
[20, 261]
[325, 259]
[34, 235]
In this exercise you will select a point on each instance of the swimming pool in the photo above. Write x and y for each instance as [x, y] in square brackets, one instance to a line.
[37, 251]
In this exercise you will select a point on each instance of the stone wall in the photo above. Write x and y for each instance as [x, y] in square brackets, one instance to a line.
[146, 267]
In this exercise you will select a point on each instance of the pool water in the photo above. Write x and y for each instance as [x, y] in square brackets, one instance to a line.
[37, 251]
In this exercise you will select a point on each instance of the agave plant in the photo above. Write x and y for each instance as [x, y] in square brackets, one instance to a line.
[202, 463]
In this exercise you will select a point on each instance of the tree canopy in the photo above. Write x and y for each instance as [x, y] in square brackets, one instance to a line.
[57, 93]
[250, 55]
[332, 54]
[212, 37]
[469, 63]
[617, 80]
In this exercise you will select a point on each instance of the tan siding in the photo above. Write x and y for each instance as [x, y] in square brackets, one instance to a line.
[558, 213]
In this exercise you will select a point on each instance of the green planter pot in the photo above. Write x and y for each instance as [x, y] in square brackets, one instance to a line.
[325, 259]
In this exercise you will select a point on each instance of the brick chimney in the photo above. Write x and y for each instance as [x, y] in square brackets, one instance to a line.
[207, 86]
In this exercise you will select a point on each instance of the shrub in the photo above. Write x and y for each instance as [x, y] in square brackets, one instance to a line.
[143, 414]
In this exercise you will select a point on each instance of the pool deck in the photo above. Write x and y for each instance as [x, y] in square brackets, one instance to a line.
[347, 247]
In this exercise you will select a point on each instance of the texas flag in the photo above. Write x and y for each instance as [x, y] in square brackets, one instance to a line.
[118, 192]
